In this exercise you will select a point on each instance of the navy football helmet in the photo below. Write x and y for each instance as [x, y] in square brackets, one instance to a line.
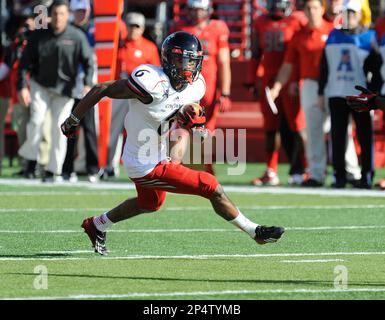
[182, 58]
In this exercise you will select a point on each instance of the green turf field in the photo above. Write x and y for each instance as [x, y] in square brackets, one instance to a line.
[185, 251]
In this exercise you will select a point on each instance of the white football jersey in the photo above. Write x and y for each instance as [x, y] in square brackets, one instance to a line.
[147, 124]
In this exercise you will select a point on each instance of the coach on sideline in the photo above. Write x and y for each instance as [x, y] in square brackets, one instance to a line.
[52, 57]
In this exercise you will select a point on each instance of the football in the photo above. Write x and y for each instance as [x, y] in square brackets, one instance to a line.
[190, 115]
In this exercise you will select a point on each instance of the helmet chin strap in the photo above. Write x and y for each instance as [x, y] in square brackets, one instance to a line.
[188, 76]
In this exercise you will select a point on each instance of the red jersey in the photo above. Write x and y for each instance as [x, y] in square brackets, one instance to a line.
[306, 47]
[5, 86]
[13, 76]
[135, 53]
[214, 36]
[380, 27]
[273, 37]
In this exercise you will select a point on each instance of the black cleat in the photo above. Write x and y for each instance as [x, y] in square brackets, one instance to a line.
[97, 237]
[264, 234]
[312, 183]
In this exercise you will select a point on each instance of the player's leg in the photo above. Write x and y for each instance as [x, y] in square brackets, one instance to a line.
[148, 200]
[272, 144]
[339, 116]
[177, 178]
[227, 210]
[315, 136]
[364, 129]
[295, 117]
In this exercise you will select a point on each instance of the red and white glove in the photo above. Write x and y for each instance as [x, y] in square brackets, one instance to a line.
[363, 102]
[192, 118]
[70, 127]
[191, 115]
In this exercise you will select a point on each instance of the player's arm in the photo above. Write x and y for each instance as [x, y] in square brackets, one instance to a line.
[281, 80]
[284, 73]
[118, 89]
[322, 80]
[365, 101]
[225, 78]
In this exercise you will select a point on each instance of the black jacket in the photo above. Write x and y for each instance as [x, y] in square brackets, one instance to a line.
[53, 60]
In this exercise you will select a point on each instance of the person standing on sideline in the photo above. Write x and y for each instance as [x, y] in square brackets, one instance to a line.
[214, 35]
[157, 95]
[306, 47]
[52, 57]
[272, 33]
[135, 50]
[81, 11]
[347, 59]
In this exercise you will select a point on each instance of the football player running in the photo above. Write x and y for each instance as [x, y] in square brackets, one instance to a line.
[158, 93]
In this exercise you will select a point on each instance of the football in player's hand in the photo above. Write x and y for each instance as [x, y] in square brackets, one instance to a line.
[191, 115]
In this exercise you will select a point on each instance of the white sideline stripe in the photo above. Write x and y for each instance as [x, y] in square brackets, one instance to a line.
[196, 230]
[57, 193]
[124, 186]
[199, 256]
[197, 293]
[67, 251]
[195, 208]
[312, 261]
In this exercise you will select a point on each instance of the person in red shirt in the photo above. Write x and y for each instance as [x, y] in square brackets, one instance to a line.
[306, 47]
[272, 33]
[134, 50]
[213, 35]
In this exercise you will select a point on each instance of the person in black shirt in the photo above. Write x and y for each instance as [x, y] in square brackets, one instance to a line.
[52, 58]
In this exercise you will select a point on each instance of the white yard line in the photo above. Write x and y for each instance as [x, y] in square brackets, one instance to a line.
[202, 208]
[199, 293]
[123, 186]
[313, 261]
[66, 252]
[197, 257]
[321, 228]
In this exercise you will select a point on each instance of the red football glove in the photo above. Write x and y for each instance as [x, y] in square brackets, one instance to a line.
[362, 102]
[191, 115]
[70, 128]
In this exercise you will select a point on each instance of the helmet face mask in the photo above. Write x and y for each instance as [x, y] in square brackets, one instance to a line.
[279, 8]
[182, 58]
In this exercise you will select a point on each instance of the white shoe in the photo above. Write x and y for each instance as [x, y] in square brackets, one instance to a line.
[296, 179]
[93, 178]
[269, 178]
[73, 177]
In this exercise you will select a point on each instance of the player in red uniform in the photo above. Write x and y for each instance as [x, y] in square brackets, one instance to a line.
[213, 35]
[272, 32]
[157, 94]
